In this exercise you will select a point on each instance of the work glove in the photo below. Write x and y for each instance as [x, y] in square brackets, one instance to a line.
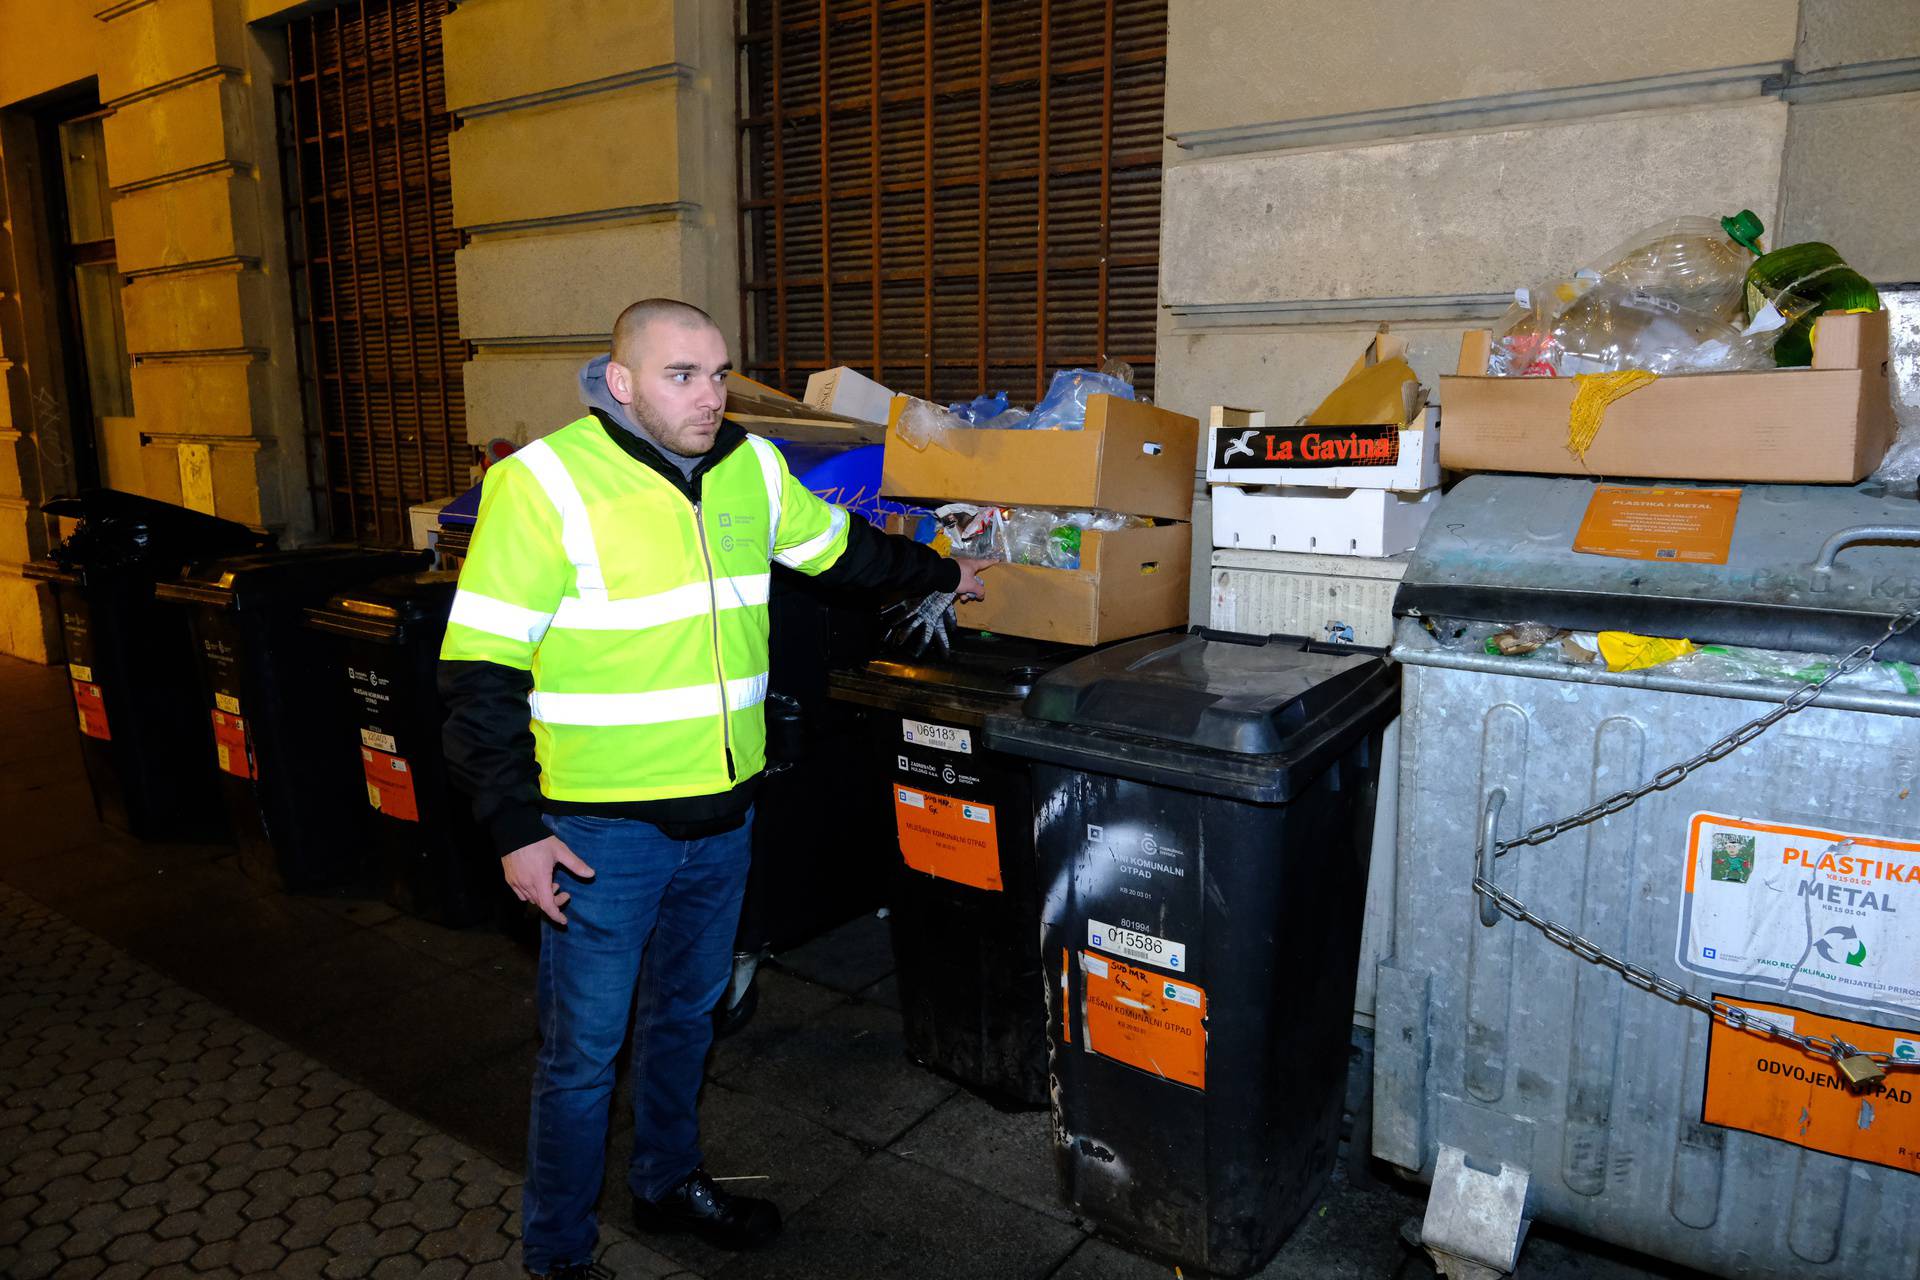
[918, 623]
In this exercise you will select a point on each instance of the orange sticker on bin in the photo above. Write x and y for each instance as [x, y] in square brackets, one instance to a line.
[953, 839]
[1776, 1089]
[1145, 1020]
[91, 706]
[1685, 526]
[390, 785]
[230, 746]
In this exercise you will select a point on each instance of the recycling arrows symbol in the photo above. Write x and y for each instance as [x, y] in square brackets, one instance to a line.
[1856, 954]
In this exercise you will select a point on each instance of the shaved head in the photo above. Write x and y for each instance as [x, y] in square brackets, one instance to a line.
[633, 322]
[670, 369]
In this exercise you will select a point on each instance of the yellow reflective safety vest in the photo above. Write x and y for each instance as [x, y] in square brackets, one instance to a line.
[641, 614]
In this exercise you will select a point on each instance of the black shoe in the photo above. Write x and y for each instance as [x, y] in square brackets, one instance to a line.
[575, 1271]
[702, 1209]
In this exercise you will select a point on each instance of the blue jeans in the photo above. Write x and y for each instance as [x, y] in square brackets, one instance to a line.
[672, 904]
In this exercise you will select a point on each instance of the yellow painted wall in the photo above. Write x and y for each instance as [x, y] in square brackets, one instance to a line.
[45, 45]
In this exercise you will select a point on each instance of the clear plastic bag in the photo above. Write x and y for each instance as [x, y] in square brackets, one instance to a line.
[1043, 536]
[922, 423]
[1726, 663]
[1669, 300]
[1690, 262]
[1616, 326]
[1900, 469]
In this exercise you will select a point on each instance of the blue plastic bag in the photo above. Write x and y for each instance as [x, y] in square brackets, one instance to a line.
[1064, 407]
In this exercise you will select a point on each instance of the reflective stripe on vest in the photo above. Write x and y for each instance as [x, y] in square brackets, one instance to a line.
[794, 557]
[657, 706]
[641, 612]
[576, 531]
[767, 454]
[497, 617]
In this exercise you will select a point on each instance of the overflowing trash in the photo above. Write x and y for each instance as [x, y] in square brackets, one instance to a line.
[1044, 536]
[1063, 408]
[1690, 295]
[1621, 651]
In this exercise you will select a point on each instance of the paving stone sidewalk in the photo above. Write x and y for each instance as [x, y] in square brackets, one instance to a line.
[148, 1132]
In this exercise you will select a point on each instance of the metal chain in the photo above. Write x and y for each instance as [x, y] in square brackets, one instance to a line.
[1639, 975]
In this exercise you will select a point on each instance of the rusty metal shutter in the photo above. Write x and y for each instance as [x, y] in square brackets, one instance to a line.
[373, 242]
[945, 231]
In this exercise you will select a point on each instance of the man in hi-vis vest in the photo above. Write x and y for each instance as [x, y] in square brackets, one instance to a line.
[616, 587]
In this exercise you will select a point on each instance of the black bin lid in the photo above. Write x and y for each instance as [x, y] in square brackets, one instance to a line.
[394, 609]
[1242, 717]
[127, 531]
[287, 579]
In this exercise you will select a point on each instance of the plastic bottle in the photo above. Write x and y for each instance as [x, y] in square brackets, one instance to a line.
[1799, 281]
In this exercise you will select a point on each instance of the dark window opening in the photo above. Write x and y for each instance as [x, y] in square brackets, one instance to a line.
[372, 240]
[952, 198]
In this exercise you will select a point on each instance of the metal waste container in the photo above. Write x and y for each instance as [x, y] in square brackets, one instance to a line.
[1203, 812]
[434, 860]
[1518, 1071]
[295, 802]
[963, 890]
[130, 661]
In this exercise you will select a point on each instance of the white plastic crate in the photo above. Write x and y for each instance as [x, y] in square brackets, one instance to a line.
[1243, 449]
[1339, 598]
[1353, 522]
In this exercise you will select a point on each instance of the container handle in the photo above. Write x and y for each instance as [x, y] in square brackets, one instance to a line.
[1489, 819]
[1863, 533]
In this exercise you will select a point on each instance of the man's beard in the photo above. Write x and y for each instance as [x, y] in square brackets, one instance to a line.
[657, 427]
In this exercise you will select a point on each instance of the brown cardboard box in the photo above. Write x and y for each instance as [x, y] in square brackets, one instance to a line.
[1130, 457]
[1130, 582]
[1829, 424]
[766, 411]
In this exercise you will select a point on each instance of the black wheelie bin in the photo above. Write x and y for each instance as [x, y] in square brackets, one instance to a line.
[131, 661]
[296, 803]
[1203, 820]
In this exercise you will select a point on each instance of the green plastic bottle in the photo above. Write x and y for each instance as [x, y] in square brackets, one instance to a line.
[1802, 280]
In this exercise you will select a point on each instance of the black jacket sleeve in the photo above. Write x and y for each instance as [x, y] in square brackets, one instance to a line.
[877, 561]
[488, 741]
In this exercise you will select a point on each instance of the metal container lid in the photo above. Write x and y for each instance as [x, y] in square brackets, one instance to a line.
[1818, 569]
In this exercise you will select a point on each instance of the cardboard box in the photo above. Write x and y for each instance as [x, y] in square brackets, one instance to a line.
[1133, 458]
[766, 411]
[849, 393]
[1357, 522]
[1130, 582]
[1829, 424]
[1243, 449]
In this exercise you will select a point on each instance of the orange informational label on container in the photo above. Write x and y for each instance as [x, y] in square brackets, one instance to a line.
[390, 784]
[1145, 1020]
[952, 839]
[1774, 1088]
[230, 746]
[1688, 526]
[91, 706]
